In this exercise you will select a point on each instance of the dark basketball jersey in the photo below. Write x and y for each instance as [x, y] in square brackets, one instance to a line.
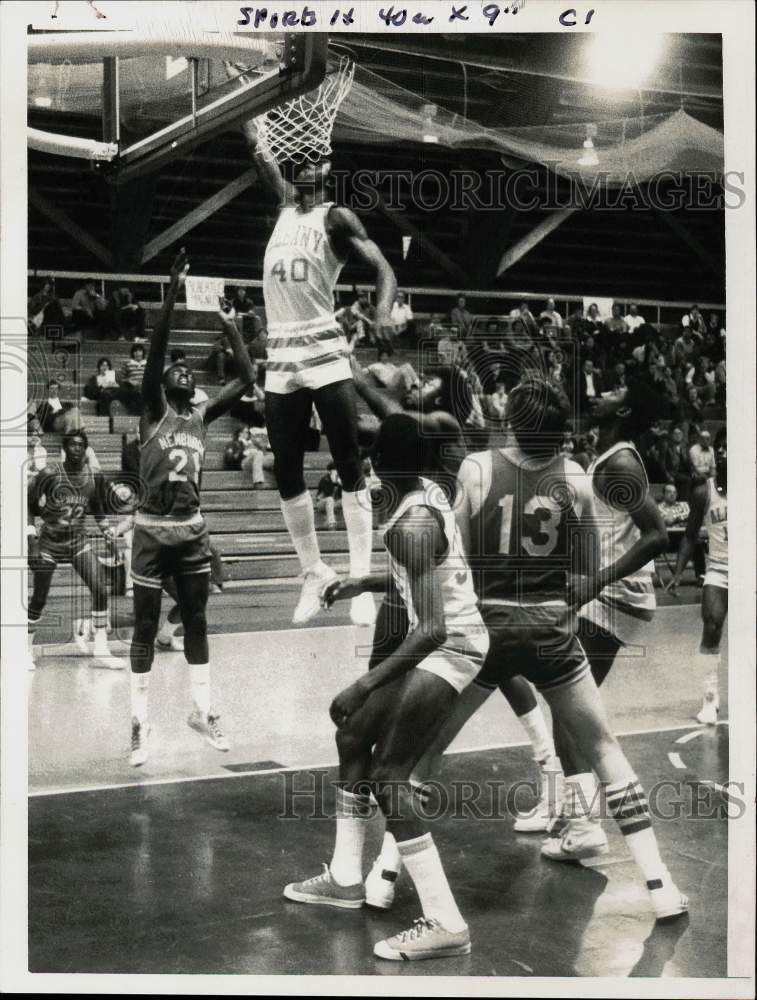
[523, 536]
[62, 499]
[170, 466]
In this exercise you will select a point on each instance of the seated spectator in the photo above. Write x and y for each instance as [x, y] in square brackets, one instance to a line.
[56, 416]
[221, 359]
[257, 455]
[592, 321]
[619, 380]
[127, 317]
[102, 387]
[590, 386]
[685, 348]
[45, 310]
[435, 328]
[36, 453]
[130, 379]
[241, 303]
[702, 457]
[402, 316]
[634, 320]
[688, 412]
[616, 326]
[496, 403]
[329, 495]
[234, 451]
[460, 318]
[694, 322]
[703, 377]
[89, 309]
[675, 514]
[676, 467]
[363, 315]
[551, 314]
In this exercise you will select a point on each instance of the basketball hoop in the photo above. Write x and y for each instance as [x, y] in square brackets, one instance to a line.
[301, 129]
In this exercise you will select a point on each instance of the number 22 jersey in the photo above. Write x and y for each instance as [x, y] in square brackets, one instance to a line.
[170, 466]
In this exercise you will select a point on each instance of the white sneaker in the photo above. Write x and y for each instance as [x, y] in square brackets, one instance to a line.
[542, 817]
[103, 656]
[139, 737]
[379, 886]
[708, 714]
[425, 939]
[363, 610]
[82, 636]
[170, 644]
[210, 728]
[309, 604]
[667, 899]
[580, 839]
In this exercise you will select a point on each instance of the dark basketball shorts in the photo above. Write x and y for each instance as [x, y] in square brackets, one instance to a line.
[62, 548]
[163, 549]
[537, 641]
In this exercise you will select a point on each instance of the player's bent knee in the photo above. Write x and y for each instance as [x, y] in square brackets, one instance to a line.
[350, 743]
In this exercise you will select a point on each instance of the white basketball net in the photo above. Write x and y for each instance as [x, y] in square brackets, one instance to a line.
[300, 130]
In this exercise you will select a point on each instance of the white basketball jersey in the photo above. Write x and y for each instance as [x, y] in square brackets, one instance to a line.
[618, 534]
[716, 522]
[300, 270]
[461, 614]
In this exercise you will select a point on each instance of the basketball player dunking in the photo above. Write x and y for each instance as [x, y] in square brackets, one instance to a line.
[170, 534]
[308, 363]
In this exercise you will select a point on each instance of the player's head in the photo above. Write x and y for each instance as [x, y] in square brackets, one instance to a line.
[630, 409]
[310, 178]
[721, 460]
[178, 381]
[398, 451]
[75, 445]
[537, 414]
[669, 493]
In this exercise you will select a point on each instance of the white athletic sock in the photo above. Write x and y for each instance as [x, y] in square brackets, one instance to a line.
[299, 518]
[358, 517]
[353, 813]
[389, 857]
[140, 685]
[424, 866]
[538, 733]
[627, 803]
[100, 630]
[581, 796]
[199, 682]
[708, 667]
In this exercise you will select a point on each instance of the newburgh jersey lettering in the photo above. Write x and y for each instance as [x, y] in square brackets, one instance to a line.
[170, 465]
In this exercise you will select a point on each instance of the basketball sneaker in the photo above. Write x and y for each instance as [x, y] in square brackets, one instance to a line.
[210, 728]
[542, 817]
[363, 610]
[102, 654]
[667, 899]
[139, 737]
[170, 643]
[708, 714]
[314, 582]
[425, 939]
[324, 891]
[579, 839]
[379, 886]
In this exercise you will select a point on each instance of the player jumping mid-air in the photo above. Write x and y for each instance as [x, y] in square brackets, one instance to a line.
[170, 533]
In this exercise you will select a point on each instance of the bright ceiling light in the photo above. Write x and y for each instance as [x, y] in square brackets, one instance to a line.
[623, 61]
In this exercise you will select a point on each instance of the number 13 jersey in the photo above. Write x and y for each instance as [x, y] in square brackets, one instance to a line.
[523, 525]
[170, 465]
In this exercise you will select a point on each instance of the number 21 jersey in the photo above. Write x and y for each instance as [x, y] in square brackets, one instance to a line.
[523, 536]
[170, 466]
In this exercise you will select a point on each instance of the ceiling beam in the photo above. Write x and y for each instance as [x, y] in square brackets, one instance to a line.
[430, 248]
[199, 214]
[71, 228]
[533, 238]
[683, 234]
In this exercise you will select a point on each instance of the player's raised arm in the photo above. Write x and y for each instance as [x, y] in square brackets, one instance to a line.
[153, 397]
[230, 393]
[697, 511]
[348, 236]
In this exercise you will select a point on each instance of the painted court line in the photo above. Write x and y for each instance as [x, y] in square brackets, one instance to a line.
[675, 760]
[227, 775]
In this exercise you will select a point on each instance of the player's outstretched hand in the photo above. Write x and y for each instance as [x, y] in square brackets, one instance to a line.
[180, 267]
[347, 702]
[340, 590]
[226, 310]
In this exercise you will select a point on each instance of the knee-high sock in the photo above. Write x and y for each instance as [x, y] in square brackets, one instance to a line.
[424, 866]
[299, 518]
[199, 682]
[539, 734]
[353, 813]
[140, 685]
[627, 803]
[358, 516]
[708, 666]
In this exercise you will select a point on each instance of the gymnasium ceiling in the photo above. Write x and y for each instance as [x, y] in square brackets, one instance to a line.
[502, 81]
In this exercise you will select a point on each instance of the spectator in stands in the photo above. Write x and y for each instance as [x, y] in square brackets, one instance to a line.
[36, 453]
[221, 359]
[241, 304]
[586, 448]
[652, 448]
[127, 317]
[257, 455]
[363, 315]
[89, 309]
[688, 413]
[435, 326]
[102, 387]
[45, 310]
[398, 378]
[684, 348]
[592, 321]
[675, 514]
[250, 409]
[496, 403]
[402, 316]
[616, 326]
[460, 317]
[329, 495]
[130, 379]
[676, 465]
[475, 431]
[551, 314]
[55, 415]
[694, 321]
[590, 386]
[634, 320]
[702, 457]
[234, 451]
[703, 377]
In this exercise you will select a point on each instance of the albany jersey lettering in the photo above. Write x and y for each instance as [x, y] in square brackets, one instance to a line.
[170, 465]
[716, 522]
[524, 533]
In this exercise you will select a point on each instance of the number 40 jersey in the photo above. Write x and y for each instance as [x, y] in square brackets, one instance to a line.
[170, 466]
[524, 518]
